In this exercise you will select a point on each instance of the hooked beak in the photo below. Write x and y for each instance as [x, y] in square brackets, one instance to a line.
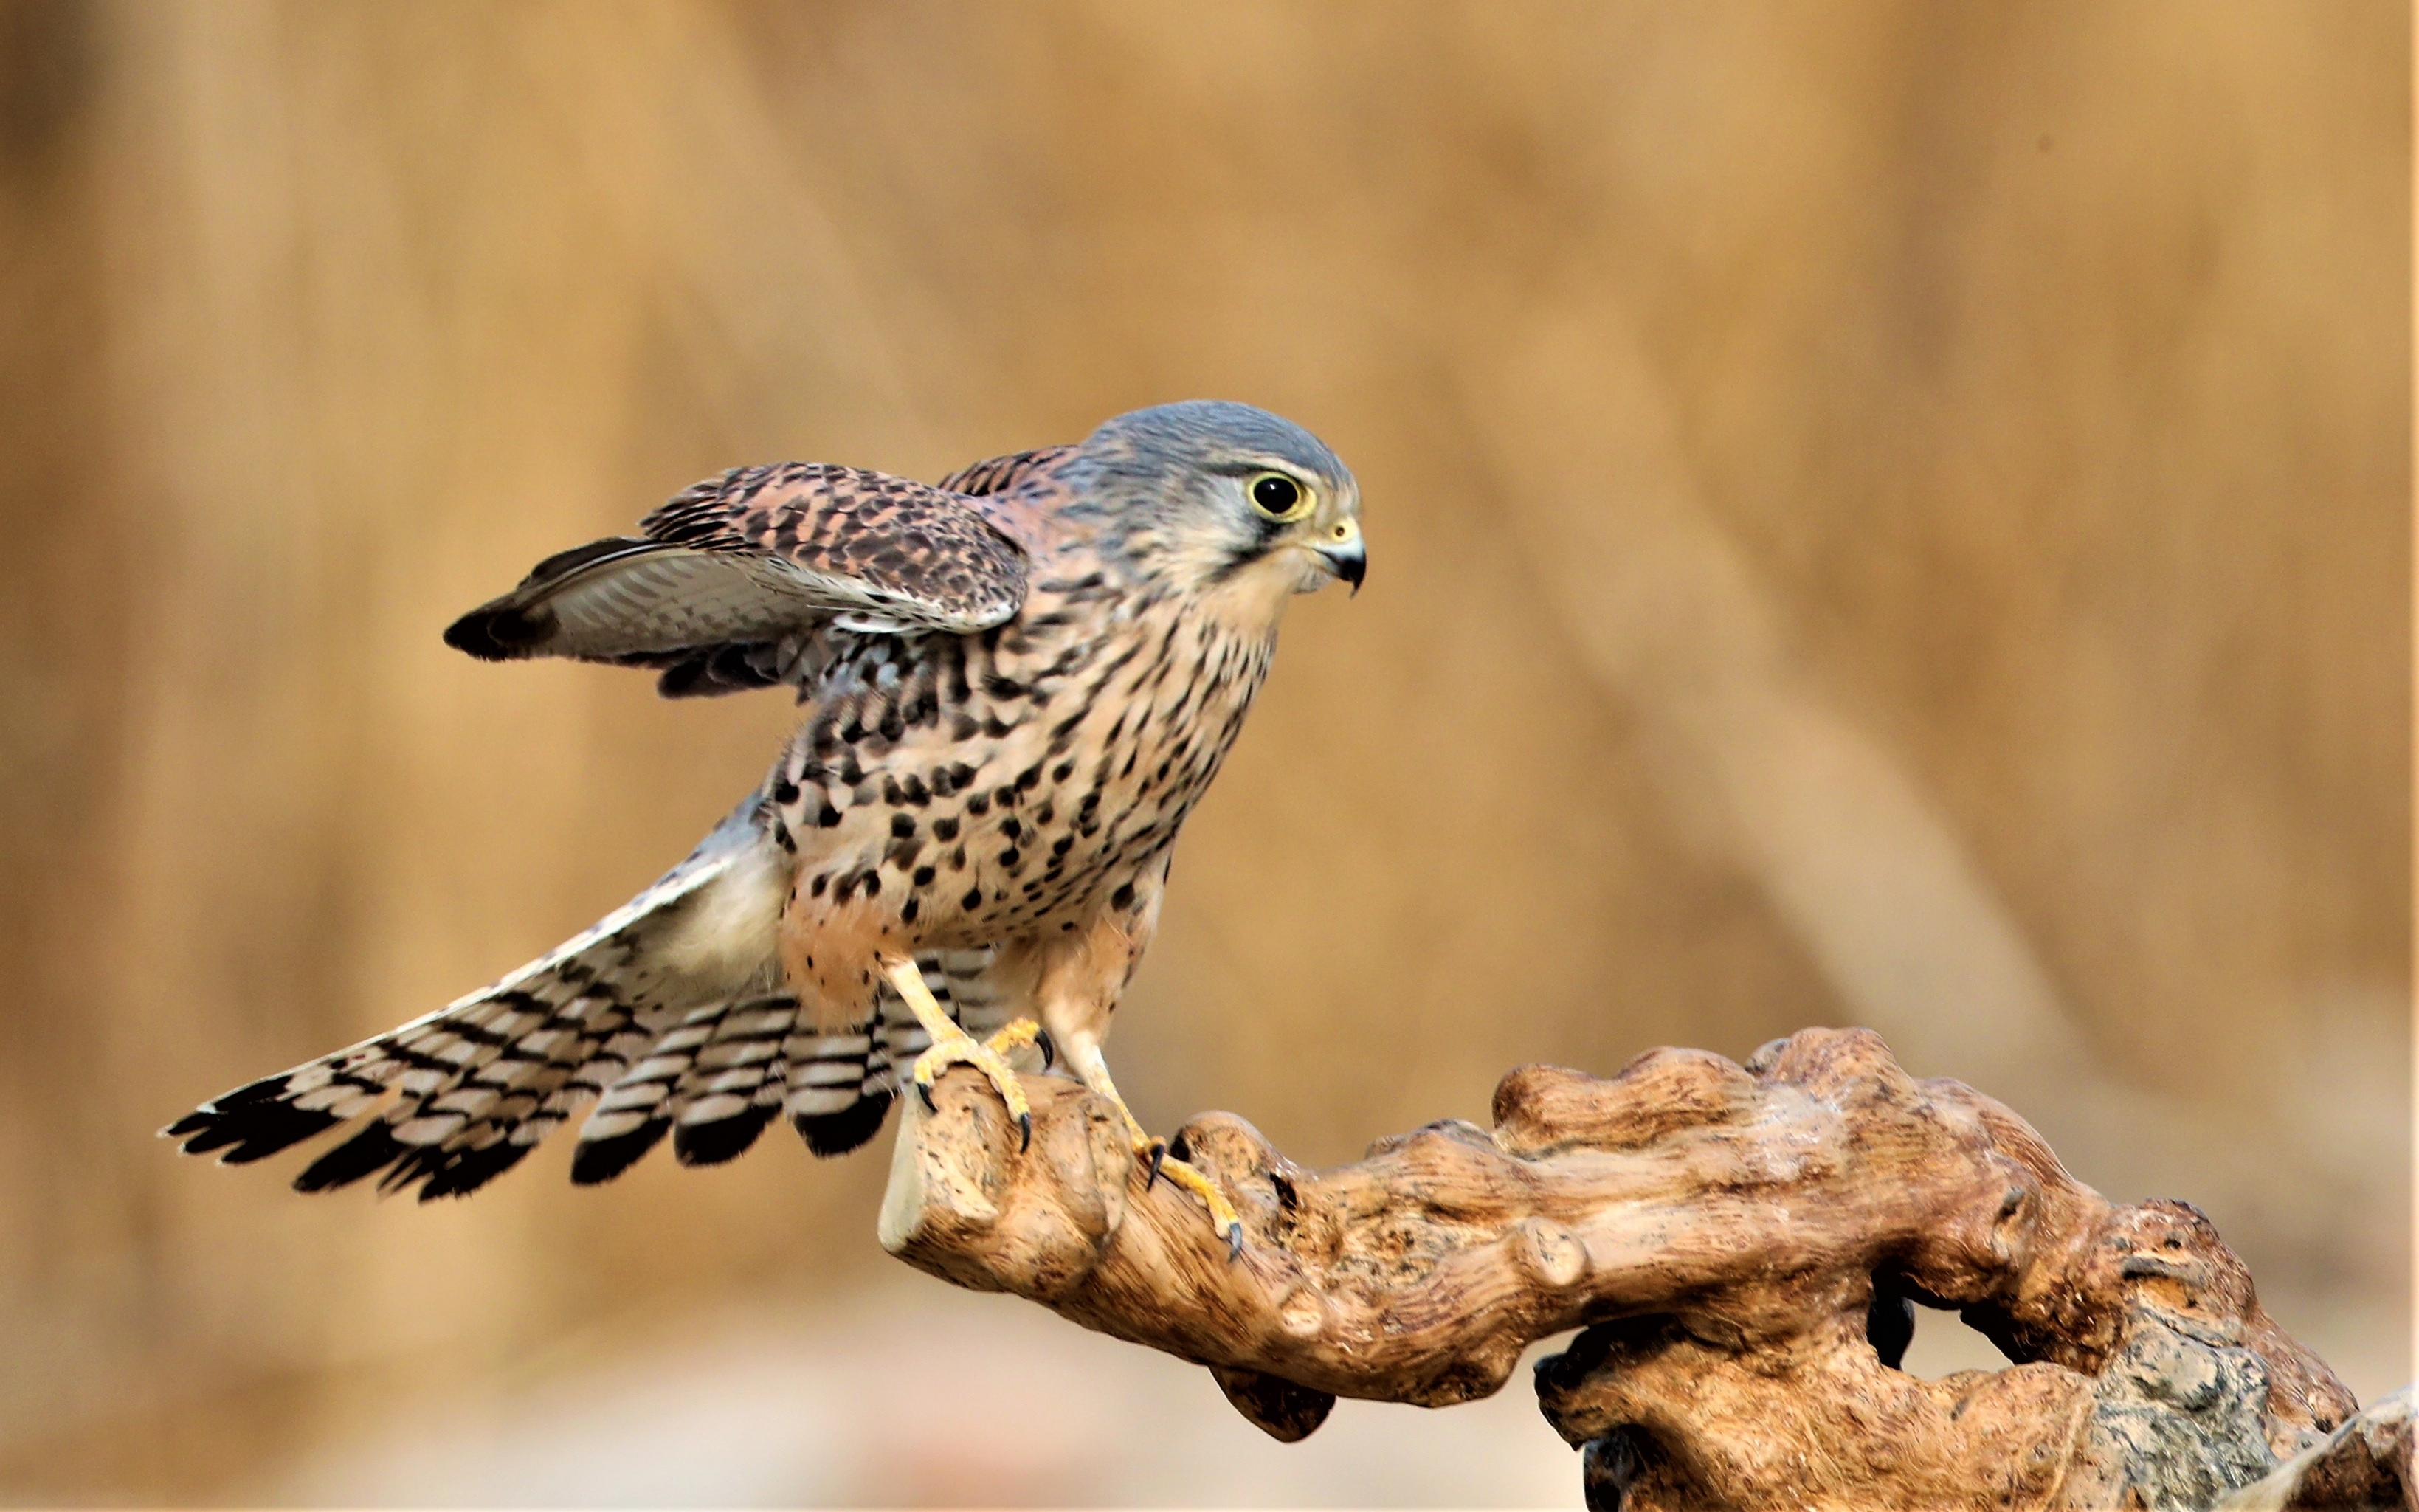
[1348, 558]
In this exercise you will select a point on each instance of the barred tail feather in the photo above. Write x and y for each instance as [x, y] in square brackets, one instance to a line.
[458, 1098]
[717, 1079]
[462, 1095]
[842, 1086]
[722, 1044]
[736, 1085]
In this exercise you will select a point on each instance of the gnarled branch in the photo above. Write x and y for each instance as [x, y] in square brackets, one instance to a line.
[1741, 1244]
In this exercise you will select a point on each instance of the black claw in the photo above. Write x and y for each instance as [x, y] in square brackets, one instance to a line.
[1158, 1158]
[1234, 1243]
[924, 1091]
[1023, 1132]
[1048, 1047]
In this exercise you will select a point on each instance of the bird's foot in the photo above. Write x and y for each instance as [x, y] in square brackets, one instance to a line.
[1223, 1220]
[990, 1057]
[1020, 1033]
[1085, 1059]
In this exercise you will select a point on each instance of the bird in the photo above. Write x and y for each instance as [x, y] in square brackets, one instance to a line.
[1016, 684]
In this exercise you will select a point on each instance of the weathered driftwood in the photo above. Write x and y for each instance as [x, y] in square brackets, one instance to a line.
[2365, 1463]
[1741, 1246]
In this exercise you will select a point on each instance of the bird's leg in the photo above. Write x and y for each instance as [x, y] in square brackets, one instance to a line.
[953, 1045]
[1091, 1067]
[1076, 978]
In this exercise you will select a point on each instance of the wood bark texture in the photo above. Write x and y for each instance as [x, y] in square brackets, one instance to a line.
[1741, 1246]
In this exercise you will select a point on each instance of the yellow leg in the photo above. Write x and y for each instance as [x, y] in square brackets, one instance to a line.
[1093, 1072]
[952, 1046]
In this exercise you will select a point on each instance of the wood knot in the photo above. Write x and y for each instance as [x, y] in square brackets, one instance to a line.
[1847, 1068]
[1303, 1315]
[2168, 1254]
[1541, 1109]
[1551, 1252]
[1458, 1131]
[1227, 1147]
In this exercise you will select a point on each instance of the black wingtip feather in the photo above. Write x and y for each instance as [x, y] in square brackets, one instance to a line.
[469, 1169]
[417, 1164]
[215, 1133]
[250, 1123]
[499, 632]
[508, 629]
[836, 1133]
[265, 1131]
[601, 1160]
[372, 1150]
[711, 1144]
[216, 1120]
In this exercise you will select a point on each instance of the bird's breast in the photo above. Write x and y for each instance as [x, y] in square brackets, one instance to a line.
[986, 788]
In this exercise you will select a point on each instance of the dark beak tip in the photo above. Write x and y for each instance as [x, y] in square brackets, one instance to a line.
[1352, 566]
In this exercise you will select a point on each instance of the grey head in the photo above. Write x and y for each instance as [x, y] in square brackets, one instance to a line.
[1221, 495]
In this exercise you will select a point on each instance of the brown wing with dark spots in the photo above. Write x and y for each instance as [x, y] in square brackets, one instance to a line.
[907, 544]
[999, 475]
[735, 581]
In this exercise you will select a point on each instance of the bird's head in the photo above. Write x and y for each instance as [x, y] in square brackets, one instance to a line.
[1230, 501]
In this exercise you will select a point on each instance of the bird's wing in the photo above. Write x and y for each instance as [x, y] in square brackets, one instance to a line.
[999, 475]
[730, 582]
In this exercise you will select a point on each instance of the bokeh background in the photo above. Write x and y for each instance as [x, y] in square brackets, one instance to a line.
[1881, 511]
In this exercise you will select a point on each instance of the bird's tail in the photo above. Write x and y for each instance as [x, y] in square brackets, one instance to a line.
[669, 1012]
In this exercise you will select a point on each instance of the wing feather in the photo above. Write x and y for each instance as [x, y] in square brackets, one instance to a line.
[1000, 474]
[730, 582]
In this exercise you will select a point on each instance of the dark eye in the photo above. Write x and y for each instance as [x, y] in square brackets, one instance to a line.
[1275, 495]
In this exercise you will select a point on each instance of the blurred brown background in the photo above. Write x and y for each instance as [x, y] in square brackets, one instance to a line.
[1888, 512]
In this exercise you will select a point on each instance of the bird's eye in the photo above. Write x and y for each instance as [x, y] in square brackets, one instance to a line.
[1278, 497]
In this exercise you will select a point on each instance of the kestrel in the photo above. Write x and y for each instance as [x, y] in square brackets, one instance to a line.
[1018, 682]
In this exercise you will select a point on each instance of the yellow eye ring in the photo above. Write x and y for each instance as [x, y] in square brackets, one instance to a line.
[1279, 497]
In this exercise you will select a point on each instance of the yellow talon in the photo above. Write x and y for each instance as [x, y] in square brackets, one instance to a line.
[963, 1047]
[952, 1046]
[1223, 1219]
[1085, 1061]
[1020, 1033]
